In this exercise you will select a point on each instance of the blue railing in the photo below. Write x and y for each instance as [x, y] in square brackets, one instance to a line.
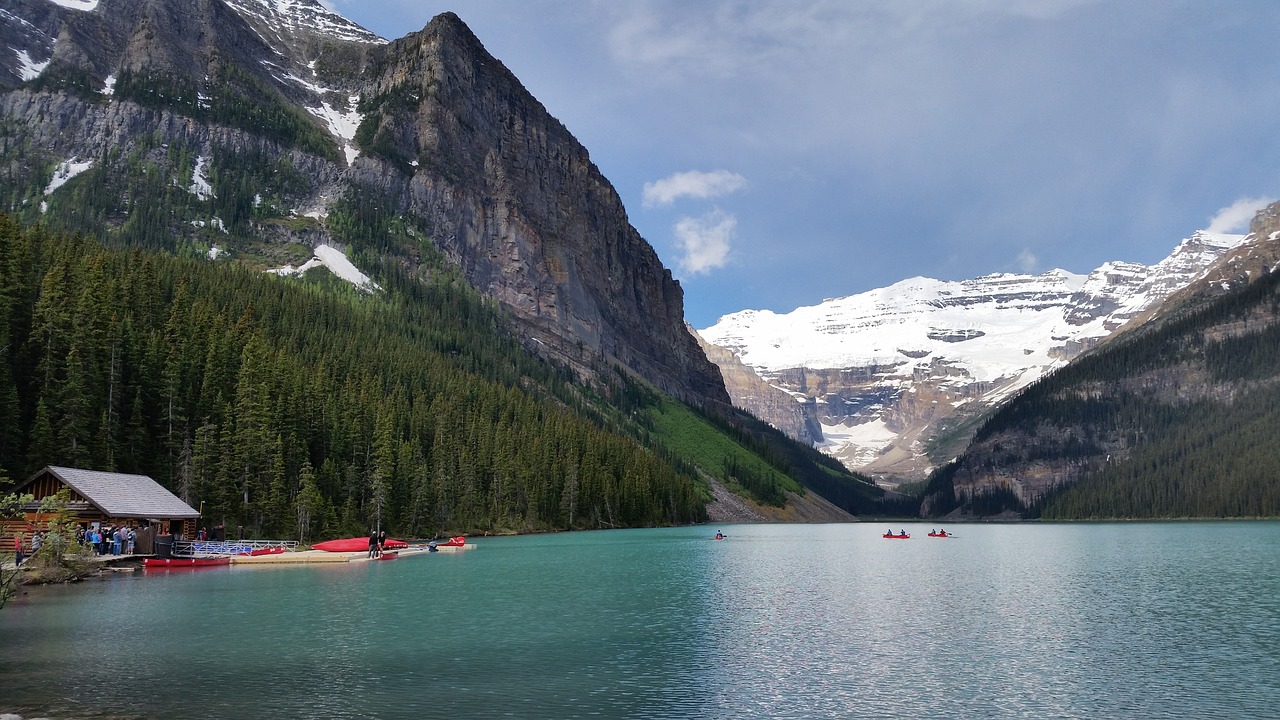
[213, 548]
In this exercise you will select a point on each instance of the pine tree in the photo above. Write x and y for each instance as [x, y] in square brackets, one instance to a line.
[309, 504]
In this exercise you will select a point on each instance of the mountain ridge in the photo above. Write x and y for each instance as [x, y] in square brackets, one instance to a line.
[893, 370]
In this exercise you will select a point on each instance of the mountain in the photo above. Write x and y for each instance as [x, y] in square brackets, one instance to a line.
[249, 248]
[267, 128]
[1175, 417]
[798, 420]
[900, 374]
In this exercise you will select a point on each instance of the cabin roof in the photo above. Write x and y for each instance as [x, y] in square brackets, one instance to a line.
[120, 494]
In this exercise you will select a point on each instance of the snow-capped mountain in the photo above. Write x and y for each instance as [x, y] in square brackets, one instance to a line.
[285, 18]
[896, 371]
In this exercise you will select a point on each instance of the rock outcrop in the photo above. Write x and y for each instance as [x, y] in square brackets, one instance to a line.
[797, 417]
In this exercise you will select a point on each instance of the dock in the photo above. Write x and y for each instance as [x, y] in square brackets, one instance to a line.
[322, 556]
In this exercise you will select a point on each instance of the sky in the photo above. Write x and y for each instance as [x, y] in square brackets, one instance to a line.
[778, 153]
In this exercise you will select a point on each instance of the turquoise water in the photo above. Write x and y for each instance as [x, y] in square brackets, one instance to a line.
[778, 621]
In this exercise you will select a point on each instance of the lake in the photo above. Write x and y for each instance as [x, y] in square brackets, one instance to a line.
[1141, 620]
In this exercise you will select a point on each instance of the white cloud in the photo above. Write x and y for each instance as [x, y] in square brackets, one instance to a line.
[1027, 261]
[694, 184]
[1235, 217]
[705, 240]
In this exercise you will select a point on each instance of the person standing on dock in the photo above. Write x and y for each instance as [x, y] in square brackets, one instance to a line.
[17, 550]
[373, 543]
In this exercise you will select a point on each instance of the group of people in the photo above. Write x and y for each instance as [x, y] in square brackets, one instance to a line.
[108, 539]
[19, 553]
[377, 541]
[102, 539]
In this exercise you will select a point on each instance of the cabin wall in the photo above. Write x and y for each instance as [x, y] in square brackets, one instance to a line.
[47, 485]
[9, 528]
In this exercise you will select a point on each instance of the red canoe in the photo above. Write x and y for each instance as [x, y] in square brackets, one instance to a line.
[358, 544]
[265, 551]
[896, 537]
[942, 535]
[185, 562]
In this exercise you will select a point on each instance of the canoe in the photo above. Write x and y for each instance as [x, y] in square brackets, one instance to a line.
[185, 562]
[265, 551]
[388, 556]
[896, 537]
[941, 535]
[359, 544]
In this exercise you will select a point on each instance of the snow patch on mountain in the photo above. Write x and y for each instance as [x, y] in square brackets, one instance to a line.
[337, 263]
[29, 69]
[200, 186]
[869, 438]
[85, 5]
[216, 223]
[62, 174]
[305, 16]
[342, 124]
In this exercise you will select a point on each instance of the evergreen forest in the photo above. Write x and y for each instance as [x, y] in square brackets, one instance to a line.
[312, 410]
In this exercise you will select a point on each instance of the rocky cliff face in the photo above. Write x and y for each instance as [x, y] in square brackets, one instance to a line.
[901, 375]
[310, 110]
[511, 197]
[797, 417]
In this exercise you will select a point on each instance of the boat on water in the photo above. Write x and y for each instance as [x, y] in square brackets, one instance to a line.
[389, 555]
[185, 562]
[356, 544]
[943, 534]
[891, 536]
[458, 542]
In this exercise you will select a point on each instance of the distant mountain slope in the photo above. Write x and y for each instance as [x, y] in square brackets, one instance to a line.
[1176, 418]
[897, 370]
